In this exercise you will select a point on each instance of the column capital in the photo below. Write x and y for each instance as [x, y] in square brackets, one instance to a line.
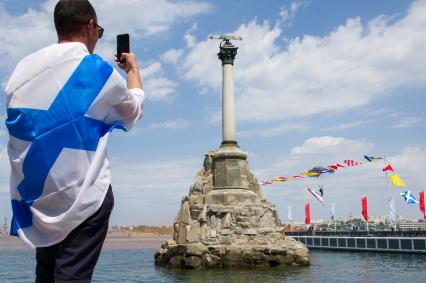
[227, 53]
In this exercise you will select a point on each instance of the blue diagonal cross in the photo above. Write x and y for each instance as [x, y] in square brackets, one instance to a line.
[63, 125]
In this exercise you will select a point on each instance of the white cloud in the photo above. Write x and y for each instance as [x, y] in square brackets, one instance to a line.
[156, 85]
[171, 56]
[288, 14]
[273, 131]
[345, 126]
[332, 145]
[173, 124]
[407, 122]
[2, 133]
[146, 17]
[4, 170]
[346, 186]
[350, 67]
[153, 188]
[409, 164]
[23, 34]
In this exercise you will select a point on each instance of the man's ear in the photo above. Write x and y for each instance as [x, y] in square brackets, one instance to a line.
[90, 27]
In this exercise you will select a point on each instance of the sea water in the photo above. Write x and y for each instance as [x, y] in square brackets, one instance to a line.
[137, 265]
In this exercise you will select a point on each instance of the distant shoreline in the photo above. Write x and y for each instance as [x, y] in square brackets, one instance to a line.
[112, 242]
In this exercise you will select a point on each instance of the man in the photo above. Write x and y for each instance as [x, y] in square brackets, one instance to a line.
[62, 103]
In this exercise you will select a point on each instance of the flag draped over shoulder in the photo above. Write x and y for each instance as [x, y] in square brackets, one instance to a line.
[61, 107]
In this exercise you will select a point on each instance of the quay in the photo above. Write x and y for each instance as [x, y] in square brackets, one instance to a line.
[413, 242]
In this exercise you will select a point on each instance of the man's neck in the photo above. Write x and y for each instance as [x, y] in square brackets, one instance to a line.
[72, 39]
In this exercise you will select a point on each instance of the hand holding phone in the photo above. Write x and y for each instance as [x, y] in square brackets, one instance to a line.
[123, 46]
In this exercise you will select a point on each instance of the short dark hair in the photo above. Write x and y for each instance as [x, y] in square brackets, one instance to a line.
[71, 15]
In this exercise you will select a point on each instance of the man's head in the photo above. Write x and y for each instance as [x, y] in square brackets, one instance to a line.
[75, 20]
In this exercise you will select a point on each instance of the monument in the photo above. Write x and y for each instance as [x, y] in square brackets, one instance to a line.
[225, 220]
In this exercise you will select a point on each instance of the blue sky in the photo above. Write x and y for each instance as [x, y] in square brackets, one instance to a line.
[317, 82]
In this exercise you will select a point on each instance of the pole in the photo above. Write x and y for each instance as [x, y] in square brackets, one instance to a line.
[388, 190]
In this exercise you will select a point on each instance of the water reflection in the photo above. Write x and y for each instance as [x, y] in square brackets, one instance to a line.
[326, 266]
[275, 274]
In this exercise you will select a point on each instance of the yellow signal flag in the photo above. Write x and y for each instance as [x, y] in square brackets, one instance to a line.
[396, 181]
[312, 174]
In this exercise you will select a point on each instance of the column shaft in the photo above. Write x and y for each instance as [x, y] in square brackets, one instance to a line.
[228, 104]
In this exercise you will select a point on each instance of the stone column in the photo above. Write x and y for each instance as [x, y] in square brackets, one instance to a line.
[227, 55]
[230, 169]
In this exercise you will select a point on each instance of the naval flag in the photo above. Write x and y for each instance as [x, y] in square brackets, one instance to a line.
[316, 195]
[333, 212]
[290, 214]
[392, 210]
[307, 213]
[62, 104]
[364, 208]
[422, 204]
[409, 198]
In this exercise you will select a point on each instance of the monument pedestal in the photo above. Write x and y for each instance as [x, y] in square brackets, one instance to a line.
[226, 221]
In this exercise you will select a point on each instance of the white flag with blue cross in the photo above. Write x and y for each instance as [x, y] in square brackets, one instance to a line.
[62, 104]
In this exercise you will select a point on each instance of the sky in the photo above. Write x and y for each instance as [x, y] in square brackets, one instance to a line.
[316, 82]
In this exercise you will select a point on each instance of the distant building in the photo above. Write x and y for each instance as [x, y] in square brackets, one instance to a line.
[412, 225]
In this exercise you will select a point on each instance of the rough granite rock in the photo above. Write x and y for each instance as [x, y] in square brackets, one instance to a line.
[217, 229]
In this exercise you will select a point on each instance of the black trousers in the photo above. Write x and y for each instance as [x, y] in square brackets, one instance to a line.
[74, 259]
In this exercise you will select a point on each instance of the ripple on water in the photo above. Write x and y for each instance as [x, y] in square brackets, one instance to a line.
[138, 266]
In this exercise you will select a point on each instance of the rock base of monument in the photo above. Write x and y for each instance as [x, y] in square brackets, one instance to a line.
[286, 252]
[221, 227]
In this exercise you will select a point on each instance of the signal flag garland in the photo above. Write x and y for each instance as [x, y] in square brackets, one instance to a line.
[319, 170]
[314, 172]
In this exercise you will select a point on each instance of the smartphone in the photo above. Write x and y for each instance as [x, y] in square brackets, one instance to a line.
[123, 45]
